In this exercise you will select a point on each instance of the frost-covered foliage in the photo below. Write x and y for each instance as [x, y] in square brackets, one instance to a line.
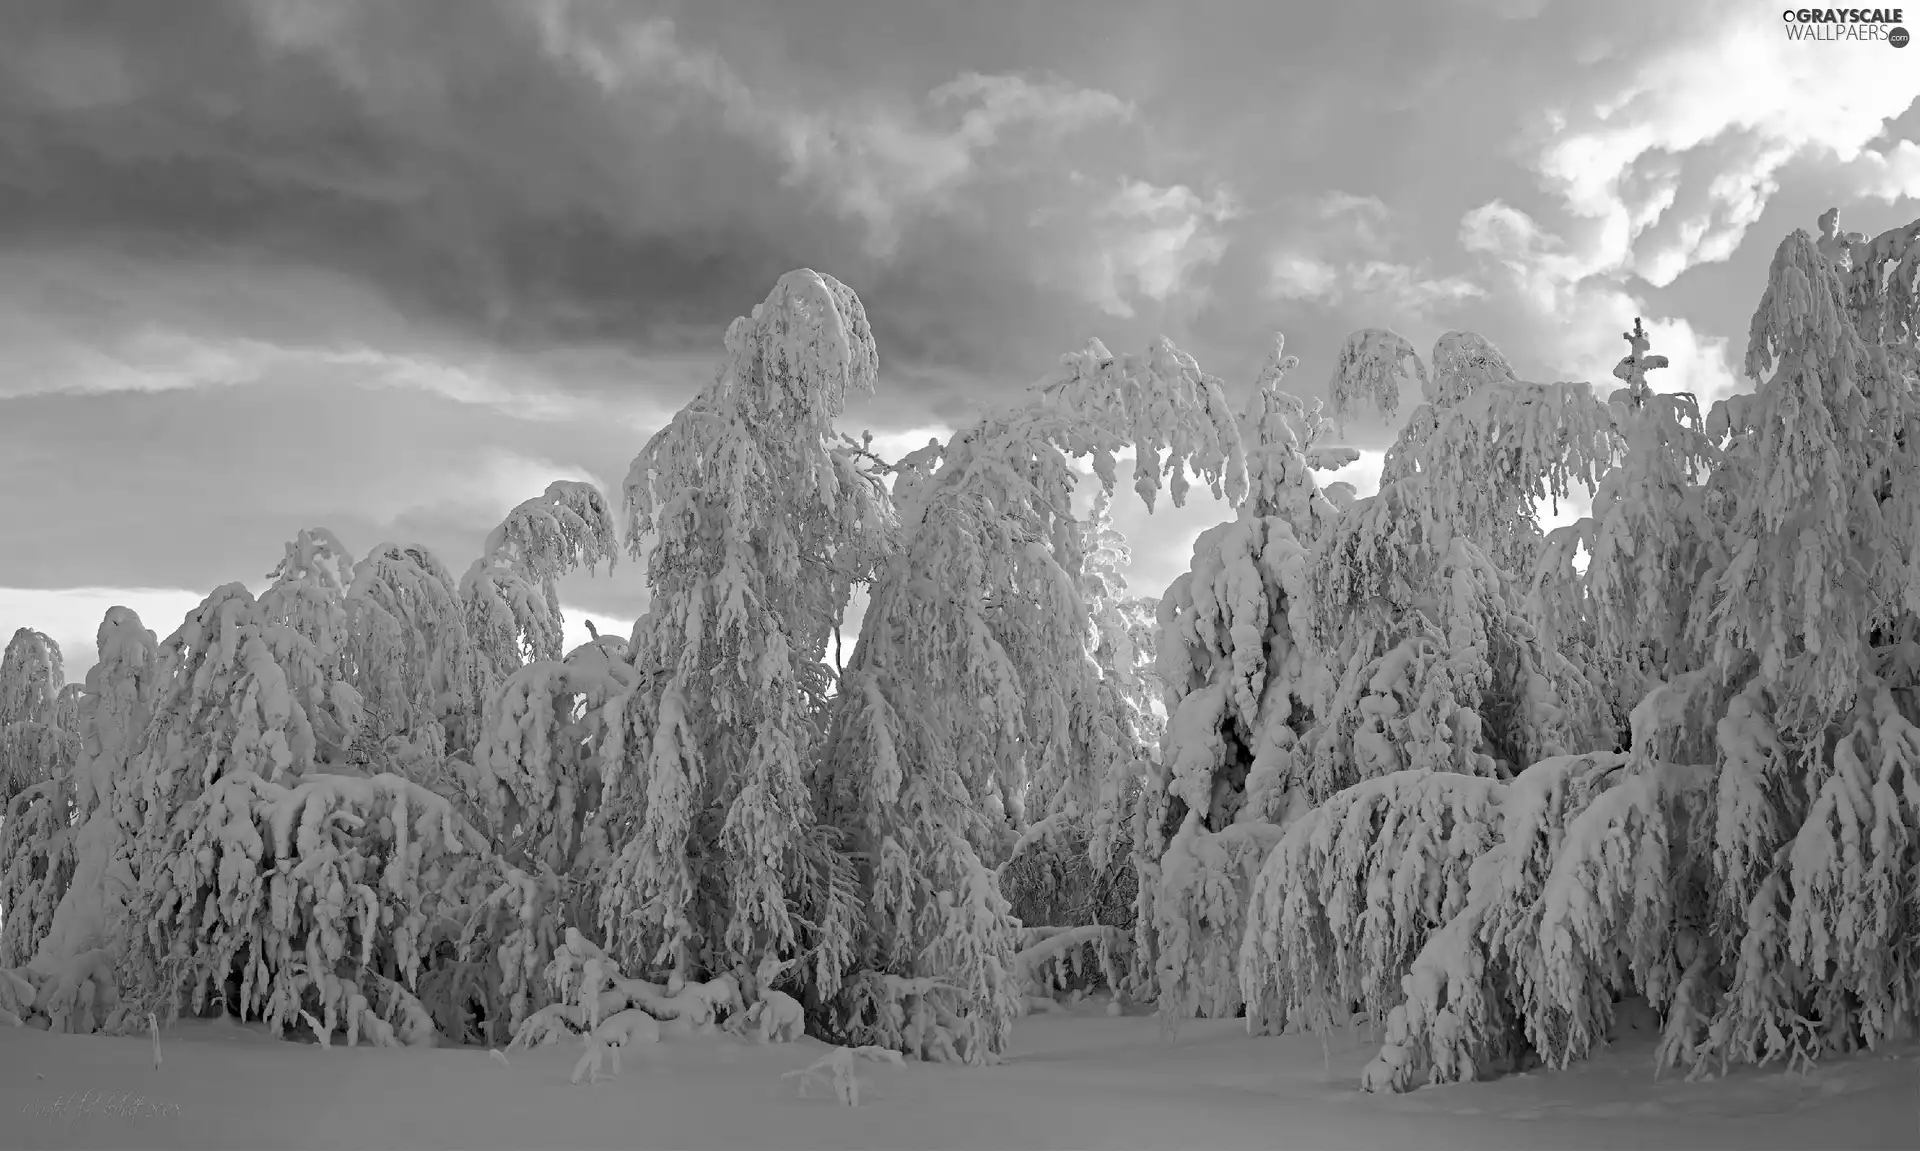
[244, 691]
[1069, 869]
[761, 523]
[255, 721]
[1648, 543]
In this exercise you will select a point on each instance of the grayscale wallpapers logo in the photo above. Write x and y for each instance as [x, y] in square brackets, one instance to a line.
[1846, 24]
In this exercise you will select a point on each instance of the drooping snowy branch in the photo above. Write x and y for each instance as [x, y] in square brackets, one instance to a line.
[1372, 364]
[511, 599]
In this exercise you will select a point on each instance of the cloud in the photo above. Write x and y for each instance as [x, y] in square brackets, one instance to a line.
[1148, 241]
[873, 160]
[1338, 253]
[1655, 163]
[1893, 174]
[1671, 164]
[1560, 296]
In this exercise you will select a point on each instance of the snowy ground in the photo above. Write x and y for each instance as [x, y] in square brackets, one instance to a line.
[1076, 1080]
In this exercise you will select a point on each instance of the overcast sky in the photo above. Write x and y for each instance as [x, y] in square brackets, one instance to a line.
[390, 267]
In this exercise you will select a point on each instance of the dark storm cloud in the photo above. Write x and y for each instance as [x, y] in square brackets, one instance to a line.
[429, 148]
[526, 174]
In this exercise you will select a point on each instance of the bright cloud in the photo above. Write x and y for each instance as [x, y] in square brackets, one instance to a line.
[1664, 164]
[1562, 298]
[1675, 162]
[1149, 241]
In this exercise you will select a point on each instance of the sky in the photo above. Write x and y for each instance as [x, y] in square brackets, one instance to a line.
[391, 268]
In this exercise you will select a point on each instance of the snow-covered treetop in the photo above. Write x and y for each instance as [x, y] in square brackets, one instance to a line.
[1803, 309]
[1476, 463]
[810, 328]
[31, 676]
[1634, 366]
[1372, 363]
[748, 485]
[791, 363]
[1648, 540]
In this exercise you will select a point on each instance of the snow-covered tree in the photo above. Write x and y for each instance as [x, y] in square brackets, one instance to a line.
[73, 965]
[761, 523]
[38, 746]
[1420, 592]
[1242, 675]
[1812, 618]
[1063, 871]
[555, 733]
[1652, 536]
[973, 677]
